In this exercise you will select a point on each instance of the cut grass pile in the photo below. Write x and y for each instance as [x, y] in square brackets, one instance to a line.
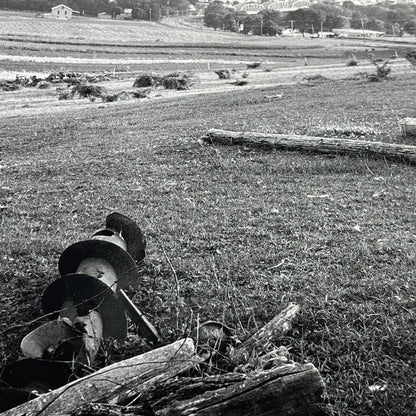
[173, 81]
[246, 231]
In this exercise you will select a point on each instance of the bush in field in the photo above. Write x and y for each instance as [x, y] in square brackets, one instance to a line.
[223, 73]
[89, 91]
[352, 61]
[177, 81]
[411, 57]
[110, 98]
[143, 93]
[253, 65]
[84, 91]
[147, 80]
[382, 70]
[66, 95]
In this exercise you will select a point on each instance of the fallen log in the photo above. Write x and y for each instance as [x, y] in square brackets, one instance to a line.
[292, 389]
[114, 383]
[408, 126]
[313, 144]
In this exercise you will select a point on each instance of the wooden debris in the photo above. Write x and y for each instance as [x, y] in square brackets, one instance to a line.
[408, 126]
[327, 145]
[114, 383]
[259, 342]
[292, 389]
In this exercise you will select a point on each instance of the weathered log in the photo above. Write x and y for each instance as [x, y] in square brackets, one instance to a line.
[261, 340]
[113, 383]
[292, 389]
[313, 144]
[408, 126]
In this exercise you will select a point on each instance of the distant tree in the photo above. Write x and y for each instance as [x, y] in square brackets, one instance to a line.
[253, 24]
[331, 9]
[410, 27]
[214, 15]
[336, 22]
[271, 20]
[397, 15]
[357, 20]
[148, 10]
[348, 5]
[230, 22]
[178, 5]
[376, 12]
[115, 11]
[374, 24]
[306, 19]
[240, 16]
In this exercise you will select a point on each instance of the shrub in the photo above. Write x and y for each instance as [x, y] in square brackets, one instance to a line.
[223, 73]
[143, 93]
[110, 98]
[147, 80]
[88, 91]
[177, 81]
[253, 65]
[411, 57]
[43, 85]
[352, 62]
[382, 70]
[66, 95]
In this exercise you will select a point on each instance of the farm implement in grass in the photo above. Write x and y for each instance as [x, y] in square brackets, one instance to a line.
[208, 370]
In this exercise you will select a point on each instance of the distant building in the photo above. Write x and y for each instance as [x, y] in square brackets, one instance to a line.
[357, 33]
[326, 34]
[291, 33]
[62, 12]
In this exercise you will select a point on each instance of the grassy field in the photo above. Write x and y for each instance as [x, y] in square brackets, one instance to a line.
[246, 231]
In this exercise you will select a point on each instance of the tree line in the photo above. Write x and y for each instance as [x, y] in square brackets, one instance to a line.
[390, 18]
[142, 9]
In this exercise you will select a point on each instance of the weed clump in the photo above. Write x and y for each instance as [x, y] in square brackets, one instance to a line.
[110, 98]
[312, 80]
[147, 80]
[141, 93]
[240, 82]
[172, 81]
[177, 81]
[89, 91]
[382, 70]
[253, 65]
[84, 91]
[223, 73]
[411, 57]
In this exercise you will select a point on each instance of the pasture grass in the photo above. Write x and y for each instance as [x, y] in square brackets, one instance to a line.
[246, 231]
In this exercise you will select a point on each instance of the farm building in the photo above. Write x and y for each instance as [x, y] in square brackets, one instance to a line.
[357, 33]
[62, 12]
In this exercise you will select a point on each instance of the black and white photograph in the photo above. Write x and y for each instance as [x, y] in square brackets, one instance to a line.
[208, 207]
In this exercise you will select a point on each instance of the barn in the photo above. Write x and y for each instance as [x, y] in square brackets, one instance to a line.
[61, 12]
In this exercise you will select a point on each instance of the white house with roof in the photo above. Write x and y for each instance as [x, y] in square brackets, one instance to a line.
[62, 12]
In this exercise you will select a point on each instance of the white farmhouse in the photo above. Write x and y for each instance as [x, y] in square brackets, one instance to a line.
[61, 12]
